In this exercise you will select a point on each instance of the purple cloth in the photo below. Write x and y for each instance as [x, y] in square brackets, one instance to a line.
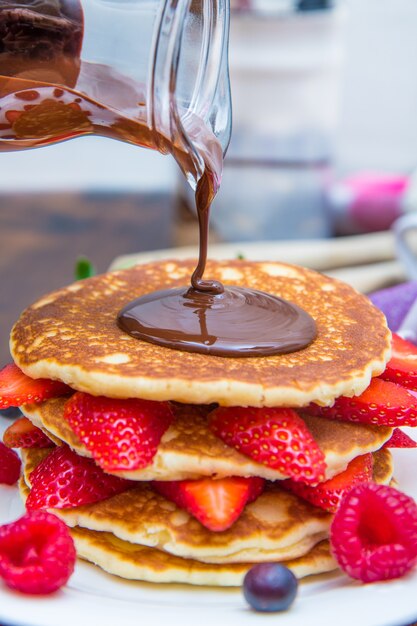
[395, 302]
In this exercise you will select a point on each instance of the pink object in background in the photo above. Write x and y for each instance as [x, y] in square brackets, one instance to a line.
[367, 202]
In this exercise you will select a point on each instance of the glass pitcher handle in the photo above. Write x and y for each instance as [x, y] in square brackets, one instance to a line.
[207, 108]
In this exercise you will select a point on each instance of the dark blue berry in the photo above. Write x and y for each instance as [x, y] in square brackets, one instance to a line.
[11, 413]
[270, 587]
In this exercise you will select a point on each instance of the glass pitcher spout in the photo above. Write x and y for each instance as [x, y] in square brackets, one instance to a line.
[189, 96]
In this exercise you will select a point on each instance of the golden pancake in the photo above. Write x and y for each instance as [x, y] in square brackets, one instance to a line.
[383, 469]
[148, 564]
[72, 335]
[277, 526]
[190, 450]
[134, 562]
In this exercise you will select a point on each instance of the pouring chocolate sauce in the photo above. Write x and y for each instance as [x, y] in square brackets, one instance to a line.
[213, 319]
[53, 88]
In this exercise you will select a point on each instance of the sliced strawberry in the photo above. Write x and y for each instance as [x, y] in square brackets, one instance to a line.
[328, 495]
[16, 388]
[216, 504]
[64, 480]
[13, 116]
[399, 439]
[9, 466]
[382, 403]
[402, 367]
[120, 434]
[23, 434]
[275, 437]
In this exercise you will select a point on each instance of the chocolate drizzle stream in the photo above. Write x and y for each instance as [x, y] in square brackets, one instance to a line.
[211, 319]
[203, 198]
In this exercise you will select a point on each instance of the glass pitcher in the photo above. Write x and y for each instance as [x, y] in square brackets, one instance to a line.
[149, 72]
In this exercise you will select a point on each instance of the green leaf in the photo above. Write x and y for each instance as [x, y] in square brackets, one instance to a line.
[240, 256]
[83, 268]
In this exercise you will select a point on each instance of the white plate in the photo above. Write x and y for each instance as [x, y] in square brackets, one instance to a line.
[92, 596]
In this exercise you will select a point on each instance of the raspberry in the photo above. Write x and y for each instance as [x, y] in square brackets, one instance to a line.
[374, 533]
[9, 465]
[37, 553]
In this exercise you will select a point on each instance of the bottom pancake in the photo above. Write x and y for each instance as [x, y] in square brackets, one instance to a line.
[135, 562]
[142, 563]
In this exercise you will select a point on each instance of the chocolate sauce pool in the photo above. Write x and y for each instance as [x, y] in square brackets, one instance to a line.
[238, 322]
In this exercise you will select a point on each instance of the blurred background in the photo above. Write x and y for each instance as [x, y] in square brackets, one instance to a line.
[324, 146]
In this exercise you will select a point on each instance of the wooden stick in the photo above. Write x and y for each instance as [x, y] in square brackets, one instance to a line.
[319, 254]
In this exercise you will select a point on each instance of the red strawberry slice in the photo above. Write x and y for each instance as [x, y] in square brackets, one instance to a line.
[399, 439]
[23, 434]
[402, 367]
[216, 504]
[328, 495]
[64, 480]
[13, 116]
[9, 466]
[275, 437]
[16, 388]
[120, 434]
[383, 403]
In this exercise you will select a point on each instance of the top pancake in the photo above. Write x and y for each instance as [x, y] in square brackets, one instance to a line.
[72, 335]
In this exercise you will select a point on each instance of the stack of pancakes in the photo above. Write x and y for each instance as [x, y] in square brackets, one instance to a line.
[72, 336]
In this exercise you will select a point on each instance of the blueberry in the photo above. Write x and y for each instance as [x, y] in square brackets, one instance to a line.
[11, 413]
[270, 587]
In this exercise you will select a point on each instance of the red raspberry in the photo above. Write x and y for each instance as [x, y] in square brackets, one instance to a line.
[37, 553]
[9, 466]
[374, 533]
